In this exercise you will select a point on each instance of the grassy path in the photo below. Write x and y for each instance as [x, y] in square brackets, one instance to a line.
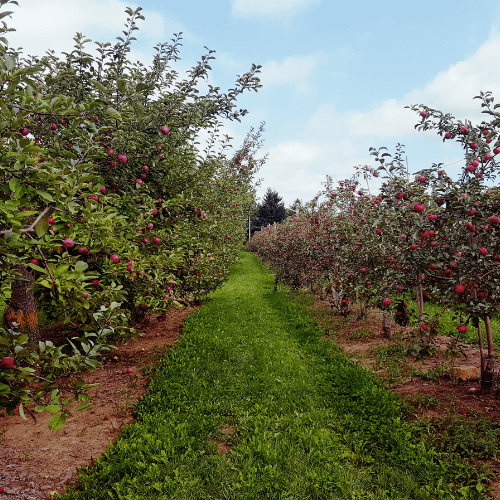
[301, 421]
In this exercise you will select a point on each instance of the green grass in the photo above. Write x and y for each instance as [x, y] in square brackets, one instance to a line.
[308, 423]
[448, 324]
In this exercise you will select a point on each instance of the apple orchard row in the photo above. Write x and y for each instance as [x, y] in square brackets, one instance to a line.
[109, 209]
[427, 237]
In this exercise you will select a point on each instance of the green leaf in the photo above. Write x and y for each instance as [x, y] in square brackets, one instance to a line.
[53, 408]
[10, 63]
[61, 270]
[14, 183]
[37, 268]
[99, 85]
[28, 71]
[122, 85]
[57, 421]
[113, 113]
[42, 227]
[44, 195]
[81, 266]
[83, 406]
[39, 408]
[21, 412]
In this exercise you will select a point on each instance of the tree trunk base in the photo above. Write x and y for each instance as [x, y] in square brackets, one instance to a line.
[488, 374]
[27, 322]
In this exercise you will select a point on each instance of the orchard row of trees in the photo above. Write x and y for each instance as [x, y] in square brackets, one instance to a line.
[108, 210]
[429, 236]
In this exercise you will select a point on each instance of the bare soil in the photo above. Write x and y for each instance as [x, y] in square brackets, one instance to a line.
[36, 462]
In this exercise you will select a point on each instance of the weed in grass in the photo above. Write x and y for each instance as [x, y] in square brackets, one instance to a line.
[421, 401]
[459, 436]
[434, 373]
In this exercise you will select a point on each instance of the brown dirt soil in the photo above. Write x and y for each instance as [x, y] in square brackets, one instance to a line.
[36, 461]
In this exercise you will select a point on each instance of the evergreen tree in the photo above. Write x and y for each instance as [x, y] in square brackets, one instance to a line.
[294, 207]
[271, 210]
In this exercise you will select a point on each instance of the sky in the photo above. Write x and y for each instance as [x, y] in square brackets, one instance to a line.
[336, 76]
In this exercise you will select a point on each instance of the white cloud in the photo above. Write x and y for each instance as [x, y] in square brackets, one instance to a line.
[297, 70]
[333, 142]
[277, 8]
[451, 91]
[52, 24]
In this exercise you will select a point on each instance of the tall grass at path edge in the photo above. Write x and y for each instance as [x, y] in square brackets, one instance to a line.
[300, 420]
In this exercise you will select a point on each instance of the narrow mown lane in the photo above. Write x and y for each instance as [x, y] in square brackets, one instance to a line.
[253, 404]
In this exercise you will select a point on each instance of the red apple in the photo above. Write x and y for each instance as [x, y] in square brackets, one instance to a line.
[156, 240]
[83, 250]
[53, 126]
[387, 302]
[363, 270]
[7, 362]
[459, 289]
[50, 220]
[103, 189]
[421, 178]
[496, 150]
[447, 135]
[146, 241]
[418, 207]
[473, 145]
[423, 113]
[68, 243]
[464, 130]
[122, 158]
[110, 152]
[34, 261]
[114, 258]
[413, 247]
[494, 219]
[95, 282]
[145, 168]
[483, 251]
[138, 181]
[85, 295]
[150, 225]
[486, 132]
[462, 329]
[423, 326]
[165, 130]
[378, 232]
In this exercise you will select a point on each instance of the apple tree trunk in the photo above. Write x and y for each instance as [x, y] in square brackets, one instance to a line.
[22, 308]
[488, 366]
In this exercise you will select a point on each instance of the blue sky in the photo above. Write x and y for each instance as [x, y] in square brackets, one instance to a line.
[336, 75]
